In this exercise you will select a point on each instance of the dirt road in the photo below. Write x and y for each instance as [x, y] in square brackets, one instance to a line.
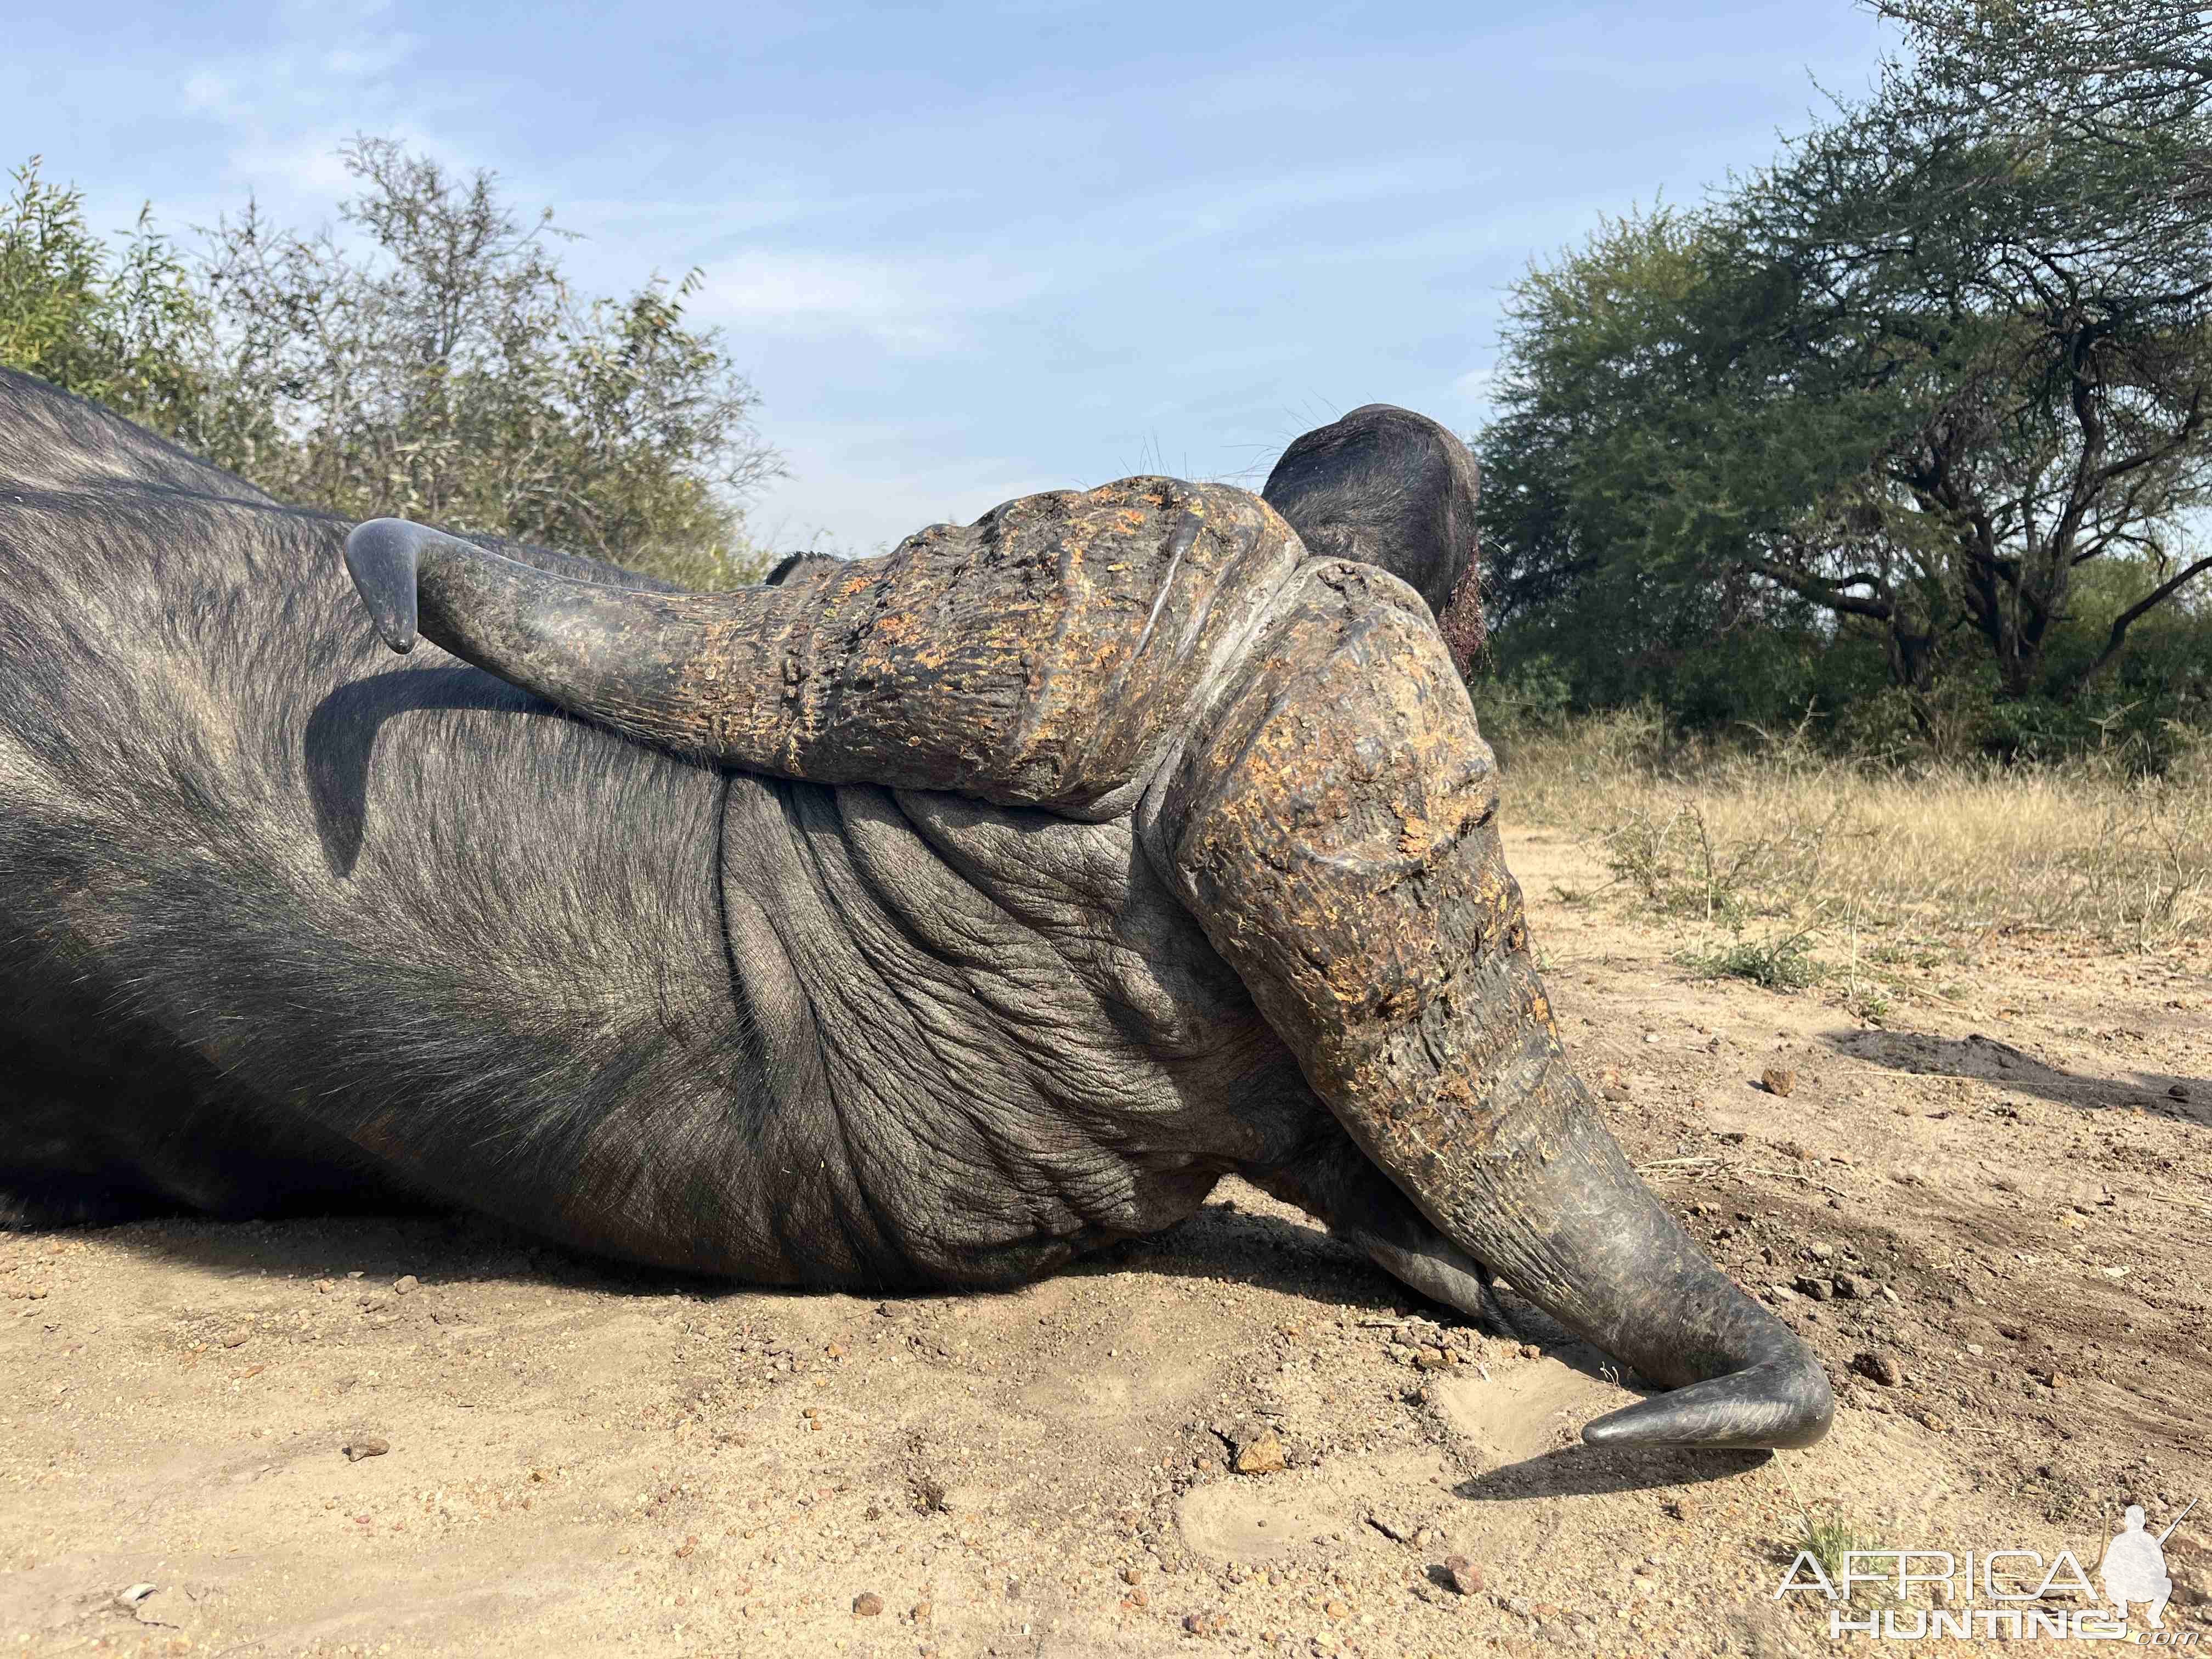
[1998, 1208]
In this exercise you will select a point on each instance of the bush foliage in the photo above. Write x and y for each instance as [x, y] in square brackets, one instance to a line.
[422, 356]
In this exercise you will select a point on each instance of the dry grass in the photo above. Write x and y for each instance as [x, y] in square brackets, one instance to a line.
[1774, 843]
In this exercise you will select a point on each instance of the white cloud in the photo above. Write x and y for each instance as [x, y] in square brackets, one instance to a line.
[916, 306]
[276, 101]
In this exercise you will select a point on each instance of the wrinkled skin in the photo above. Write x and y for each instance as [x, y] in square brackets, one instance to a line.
[286, 922]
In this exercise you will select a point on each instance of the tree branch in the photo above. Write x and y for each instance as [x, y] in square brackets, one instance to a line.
[2126, 619]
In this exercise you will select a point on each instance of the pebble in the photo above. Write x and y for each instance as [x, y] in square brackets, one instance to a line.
[1818, 1289]
[235, 1338]
[1133, 1575]
[867, 1605]
[405, 1285]
[1778, 1080]
[1850, 1287]
[1258, 1450]
[1466, 1578]
[1876, 1367]
[1207, 1624]
[368, 1445]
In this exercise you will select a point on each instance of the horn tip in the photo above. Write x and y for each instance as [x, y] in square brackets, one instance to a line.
[383, 556]
[1768, 1407]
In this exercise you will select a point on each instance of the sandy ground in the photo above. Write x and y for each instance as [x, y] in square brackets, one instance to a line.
[2008, 1188]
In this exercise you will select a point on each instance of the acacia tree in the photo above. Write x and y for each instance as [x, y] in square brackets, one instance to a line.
[427, 358]
[1647, 477]
[2026, 274]
[1952, 348]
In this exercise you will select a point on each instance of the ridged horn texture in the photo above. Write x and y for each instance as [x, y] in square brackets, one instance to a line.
[1042, 656]
[1329, 820]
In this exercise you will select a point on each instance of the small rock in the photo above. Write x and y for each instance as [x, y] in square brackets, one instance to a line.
[1850, 1287]
[1613, 1084]
[921, 1613]
[134, 1595]
[367, 1445]
[1818, 1289]
[684, 1549]
[406, 1284]
[1683, 1509]
[1529, 1351]
[1820, 1252]
[885, 1310]
[1336, 1610]
[235, 1338]
[1207, 1624]
[834, 1351]
[1466, 1578]
[1520, 1605]
[1430, 1360]
[1133, 1575]
[1258, 1450]
[1876, 1367]
[867, 1605]
[1428, 1538]
[1778, 1080]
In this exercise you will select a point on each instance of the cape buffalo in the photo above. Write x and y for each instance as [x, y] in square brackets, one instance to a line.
[922, 919]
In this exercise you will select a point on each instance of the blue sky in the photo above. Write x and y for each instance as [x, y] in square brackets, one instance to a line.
[970, 251]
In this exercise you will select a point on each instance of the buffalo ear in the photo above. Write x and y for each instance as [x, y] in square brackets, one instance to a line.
[1387, 487]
